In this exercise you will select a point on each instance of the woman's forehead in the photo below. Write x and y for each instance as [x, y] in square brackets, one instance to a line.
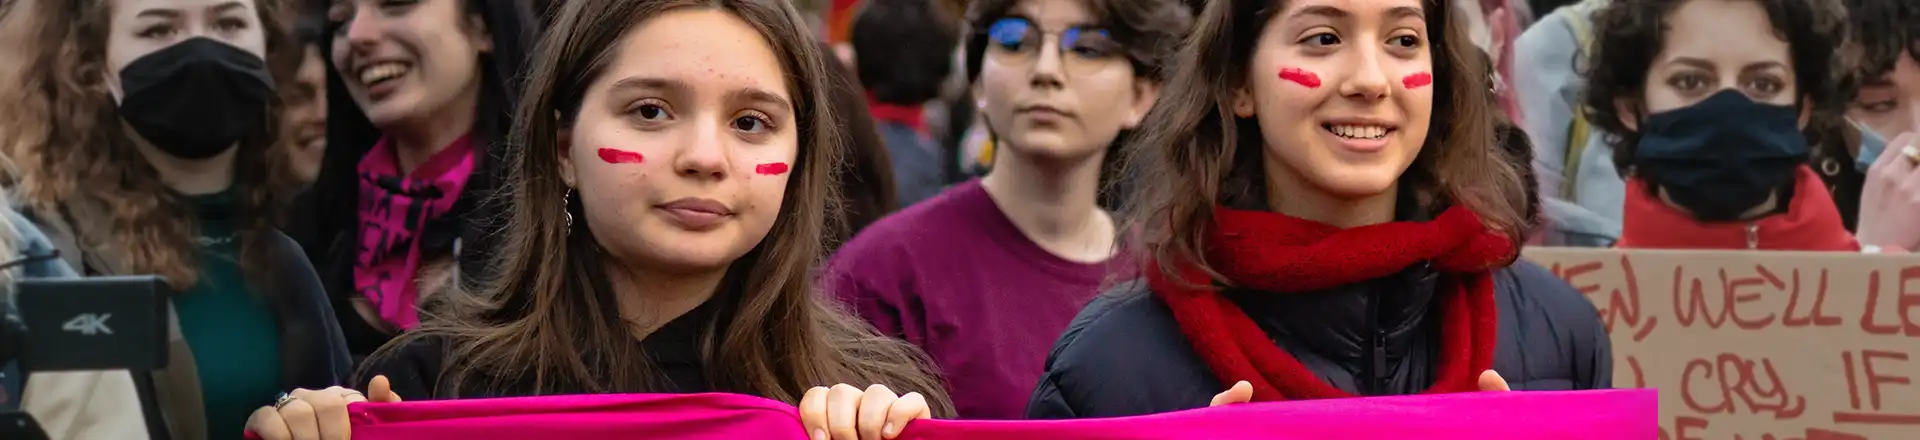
[1727, 34]
[1053, 15]
[704, 49]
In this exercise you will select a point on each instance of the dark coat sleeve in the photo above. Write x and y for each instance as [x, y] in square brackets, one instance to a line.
[413, 368]
[315, 353]
[1123, 355]
[1554, 319]
[1597, 359]
[1047, 403]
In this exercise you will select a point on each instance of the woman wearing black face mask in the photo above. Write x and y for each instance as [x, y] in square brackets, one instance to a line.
[153, 147]
[1711, 100]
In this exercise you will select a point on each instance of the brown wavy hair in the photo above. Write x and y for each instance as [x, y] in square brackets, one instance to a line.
[548, 311]
[65, 133]
[1195, 154]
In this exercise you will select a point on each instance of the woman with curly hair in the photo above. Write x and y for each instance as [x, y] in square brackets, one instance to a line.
[1887, 36]
[1714, 107]
[150, 143]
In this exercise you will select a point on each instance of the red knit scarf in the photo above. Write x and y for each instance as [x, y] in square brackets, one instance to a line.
[1279, 254]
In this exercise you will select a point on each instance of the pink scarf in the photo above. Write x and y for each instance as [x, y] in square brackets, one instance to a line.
[1576, 415]
[394, 210]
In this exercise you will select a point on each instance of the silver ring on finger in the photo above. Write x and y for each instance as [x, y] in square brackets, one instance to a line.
[283, 400]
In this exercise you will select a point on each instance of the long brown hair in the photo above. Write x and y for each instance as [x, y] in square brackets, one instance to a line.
[1195, 154]
[64, 131]
[553, 317]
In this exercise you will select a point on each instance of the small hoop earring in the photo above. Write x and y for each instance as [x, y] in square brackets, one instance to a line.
[565, 203]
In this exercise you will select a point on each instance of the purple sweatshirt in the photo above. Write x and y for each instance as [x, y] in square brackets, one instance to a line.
[953, 276]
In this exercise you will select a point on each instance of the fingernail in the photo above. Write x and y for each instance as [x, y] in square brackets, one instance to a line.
[888, 429]
[819, 434]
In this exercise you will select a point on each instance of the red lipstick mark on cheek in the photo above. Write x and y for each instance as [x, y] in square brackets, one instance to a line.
[1303, 77]
[620, 156]
[771, 169]
[1417, 80]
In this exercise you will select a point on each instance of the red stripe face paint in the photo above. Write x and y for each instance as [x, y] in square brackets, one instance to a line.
[1303, 77]
[620, 156]
[771, 169]
[1417, 80]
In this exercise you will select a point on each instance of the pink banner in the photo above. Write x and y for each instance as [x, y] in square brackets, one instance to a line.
[1580, 415]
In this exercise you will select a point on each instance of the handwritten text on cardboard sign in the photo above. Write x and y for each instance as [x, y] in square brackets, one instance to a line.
[1760, 345]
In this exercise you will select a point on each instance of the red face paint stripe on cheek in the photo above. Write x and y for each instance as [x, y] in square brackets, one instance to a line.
[1417, 80]
[771, 168]
[1303, 77]
[619, 156]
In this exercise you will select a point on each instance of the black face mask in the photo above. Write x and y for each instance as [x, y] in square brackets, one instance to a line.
[1723, 156]
[197, 98]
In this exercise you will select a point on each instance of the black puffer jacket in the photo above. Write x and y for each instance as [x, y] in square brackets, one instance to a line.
[1125, 355]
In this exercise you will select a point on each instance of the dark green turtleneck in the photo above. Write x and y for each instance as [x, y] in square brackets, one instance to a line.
[233, 330]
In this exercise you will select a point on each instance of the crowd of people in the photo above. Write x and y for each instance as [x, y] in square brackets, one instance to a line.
[900, 209]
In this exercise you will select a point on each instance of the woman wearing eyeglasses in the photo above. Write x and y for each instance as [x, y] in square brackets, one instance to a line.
[985, 275]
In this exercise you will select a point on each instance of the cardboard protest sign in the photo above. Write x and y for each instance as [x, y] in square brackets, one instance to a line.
[1760, 345]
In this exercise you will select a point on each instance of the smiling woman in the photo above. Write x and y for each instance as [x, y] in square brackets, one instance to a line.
[1348, 238]
[418, 93]
[156, 149]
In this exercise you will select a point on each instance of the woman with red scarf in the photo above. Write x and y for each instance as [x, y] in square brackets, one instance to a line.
[1327, 214]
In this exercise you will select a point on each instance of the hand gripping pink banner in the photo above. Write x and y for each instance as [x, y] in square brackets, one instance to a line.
[1577, 415]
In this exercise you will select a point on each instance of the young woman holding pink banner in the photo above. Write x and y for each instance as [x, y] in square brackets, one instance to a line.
[1326, 214]
[667, 186]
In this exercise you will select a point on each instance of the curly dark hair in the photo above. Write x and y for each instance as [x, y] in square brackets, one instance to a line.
[1882, 31]
[1630, 34]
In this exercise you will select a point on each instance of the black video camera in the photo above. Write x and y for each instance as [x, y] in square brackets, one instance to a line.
[94, 323]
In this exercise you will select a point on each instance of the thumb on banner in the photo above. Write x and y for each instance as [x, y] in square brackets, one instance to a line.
[1241, 392]
[380, 389]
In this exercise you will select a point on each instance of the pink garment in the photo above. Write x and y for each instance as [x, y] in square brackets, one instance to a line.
[393, 211]
[1624, 414]
[583, 417]
[1576, 415]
